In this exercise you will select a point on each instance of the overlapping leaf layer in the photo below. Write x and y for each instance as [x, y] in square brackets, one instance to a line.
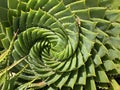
[69, 44]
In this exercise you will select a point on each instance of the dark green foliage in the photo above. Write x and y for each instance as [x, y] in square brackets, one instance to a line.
[68, 44]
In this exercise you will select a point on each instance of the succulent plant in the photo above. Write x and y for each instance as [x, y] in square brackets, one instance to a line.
[68, 44]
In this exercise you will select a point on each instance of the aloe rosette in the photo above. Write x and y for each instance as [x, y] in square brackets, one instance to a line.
[69, 44]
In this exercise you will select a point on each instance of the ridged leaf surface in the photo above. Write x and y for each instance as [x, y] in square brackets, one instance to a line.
[70, 44]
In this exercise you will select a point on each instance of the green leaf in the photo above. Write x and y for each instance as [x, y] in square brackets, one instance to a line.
[90, 68]
[78, 87]
[7, 52]
[72, 79]
[97, 12]
[26, 85]
[14, 78]
[62, 80]
[101, 76]
[97, 60]
[12, 4]
[3, 71]
[3, 3]
[114, 85]
[4, 14]
[53, 79]
[109, 65]
[81, 79]
[2, 79]
[92, 3]
[90, 84]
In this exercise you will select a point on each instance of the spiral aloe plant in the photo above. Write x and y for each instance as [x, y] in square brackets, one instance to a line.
[69, 44]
